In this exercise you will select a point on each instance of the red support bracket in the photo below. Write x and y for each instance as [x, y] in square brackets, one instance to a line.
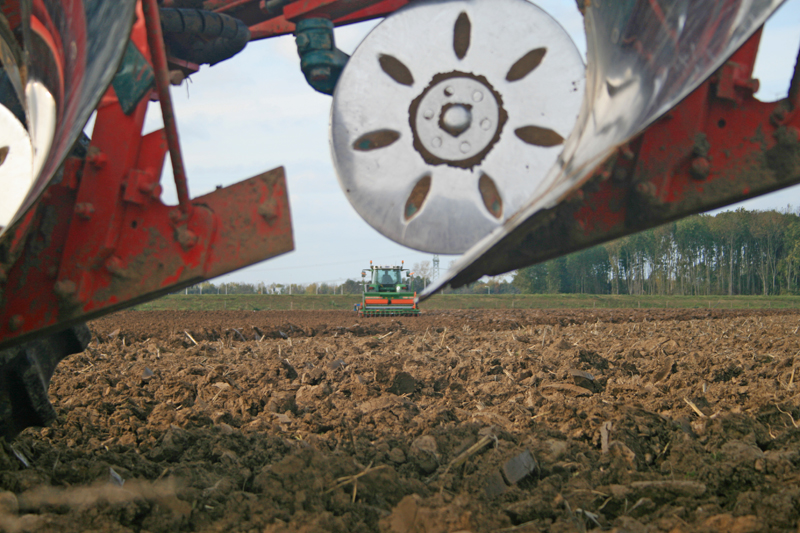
[100, 239]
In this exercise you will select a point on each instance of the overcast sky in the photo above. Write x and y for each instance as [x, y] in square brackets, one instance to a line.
[255, 112]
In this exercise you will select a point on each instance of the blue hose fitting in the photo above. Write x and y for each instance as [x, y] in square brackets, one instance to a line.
[320, 60]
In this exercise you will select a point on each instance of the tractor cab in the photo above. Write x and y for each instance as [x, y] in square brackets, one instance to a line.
[387, 278]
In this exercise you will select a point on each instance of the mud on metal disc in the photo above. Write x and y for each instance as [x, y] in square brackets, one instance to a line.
[448, 116]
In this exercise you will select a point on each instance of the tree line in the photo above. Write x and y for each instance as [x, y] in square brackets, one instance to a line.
[735, 252]
[417, 283]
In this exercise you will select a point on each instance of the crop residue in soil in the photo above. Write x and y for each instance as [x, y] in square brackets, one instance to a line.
[674, 421]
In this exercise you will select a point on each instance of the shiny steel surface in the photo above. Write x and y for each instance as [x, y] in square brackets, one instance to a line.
[641, 63]
[66, 80]
[41, 124]
[427, 113]
[16, 162]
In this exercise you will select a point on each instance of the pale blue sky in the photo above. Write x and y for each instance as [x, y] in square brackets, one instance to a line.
[256, 112]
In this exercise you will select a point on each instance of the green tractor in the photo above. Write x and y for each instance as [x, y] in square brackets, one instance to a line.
[386, 292]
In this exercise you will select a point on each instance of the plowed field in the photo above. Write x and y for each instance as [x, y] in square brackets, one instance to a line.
[459, 421]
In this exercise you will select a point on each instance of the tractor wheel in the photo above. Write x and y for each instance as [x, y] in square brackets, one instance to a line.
[25, 373]
[203, 36]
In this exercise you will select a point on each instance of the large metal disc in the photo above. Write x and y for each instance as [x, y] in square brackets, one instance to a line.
[448, 116]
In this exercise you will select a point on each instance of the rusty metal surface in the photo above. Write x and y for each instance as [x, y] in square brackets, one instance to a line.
[155, 251]
[100, 239]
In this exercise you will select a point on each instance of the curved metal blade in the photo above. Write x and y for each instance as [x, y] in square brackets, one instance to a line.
[73, 49]
[644, 56]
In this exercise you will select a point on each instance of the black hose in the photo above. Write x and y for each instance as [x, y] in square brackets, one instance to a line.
[200, 36]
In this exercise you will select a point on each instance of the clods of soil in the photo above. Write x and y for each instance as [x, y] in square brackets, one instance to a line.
[460, 421]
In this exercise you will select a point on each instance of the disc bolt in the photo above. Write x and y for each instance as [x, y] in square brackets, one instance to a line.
[436, 142]
[456, 120]
[448, 91]
[428, 114]
[16, 323]
[477, 96]
[465, 147]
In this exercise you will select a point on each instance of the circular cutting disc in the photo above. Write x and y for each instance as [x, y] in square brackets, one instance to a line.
[448, 116]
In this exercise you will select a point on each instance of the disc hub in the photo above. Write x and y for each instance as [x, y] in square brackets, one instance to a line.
[456, 120]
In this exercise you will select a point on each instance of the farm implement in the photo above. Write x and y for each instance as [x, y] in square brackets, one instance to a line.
[457, 126]
[386, 292]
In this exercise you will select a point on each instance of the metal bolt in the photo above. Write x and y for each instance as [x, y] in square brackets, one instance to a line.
[84, 210]
[186, 237]
[115, 266]
[67, 292]
[269, 211]
[147, 188]
[66, 288]
[701, 168]
[96, 158]
[176, 216]
[626, 152]
[16, 322]
[646, 188]
[619, 175]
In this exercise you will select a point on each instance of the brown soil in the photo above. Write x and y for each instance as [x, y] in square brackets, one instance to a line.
[674, 421]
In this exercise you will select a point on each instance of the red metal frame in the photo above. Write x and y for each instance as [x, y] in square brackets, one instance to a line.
[100, 239]
[263, 25]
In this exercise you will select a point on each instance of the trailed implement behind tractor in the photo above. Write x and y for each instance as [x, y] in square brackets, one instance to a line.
[457, 126]
[386, 292]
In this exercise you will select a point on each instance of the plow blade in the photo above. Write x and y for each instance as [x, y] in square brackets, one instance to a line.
[72, 50]
[668, 128]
